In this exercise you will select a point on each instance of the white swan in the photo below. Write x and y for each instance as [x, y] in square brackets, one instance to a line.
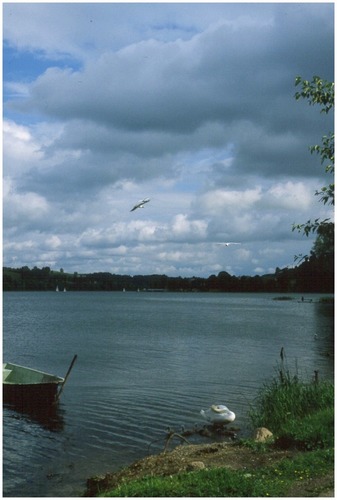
[218, 415]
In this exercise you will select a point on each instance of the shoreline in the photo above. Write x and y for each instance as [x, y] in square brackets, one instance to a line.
[194, 457]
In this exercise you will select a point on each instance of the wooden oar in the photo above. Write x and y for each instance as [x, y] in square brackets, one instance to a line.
[65, 378]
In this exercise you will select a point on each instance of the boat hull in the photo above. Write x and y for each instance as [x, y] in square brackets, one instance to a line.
[27, 388]
[36, 395]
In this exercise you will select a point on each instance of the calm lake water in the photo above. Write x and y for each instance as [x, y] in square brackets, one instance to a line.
[146, 361]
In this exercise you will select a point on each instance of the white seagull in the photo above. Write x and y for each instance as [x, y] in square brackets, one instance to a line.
[218, 415]
[227, 243]
[140, 204]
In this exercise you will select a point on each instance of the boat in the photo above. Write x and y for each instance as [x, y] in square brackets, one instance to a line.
[303, 300]
[218, 415]
[26, 387]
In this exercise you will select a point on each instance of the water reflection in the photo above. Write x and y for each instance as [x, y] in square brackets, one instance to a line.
[50, 418]
[326, 309]
[323, 341]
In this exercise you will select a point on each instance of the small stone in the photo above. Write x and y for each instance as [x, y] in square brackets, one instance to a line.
[261, 435]
[195, 466]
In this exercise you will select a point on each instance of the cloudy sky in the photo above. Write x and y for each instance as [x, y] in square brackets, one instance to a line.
[191, 105]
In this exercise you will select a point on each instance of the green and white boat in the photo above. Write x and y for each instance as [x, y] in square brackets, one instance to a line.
[28, 387]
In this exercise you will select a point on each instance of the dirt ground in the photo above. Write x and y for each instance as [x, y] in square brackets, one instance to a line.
[193, 457]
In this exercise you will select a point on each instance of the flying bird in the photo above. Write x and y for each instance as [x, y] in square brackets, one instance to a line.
[140, 204]
[227, 243]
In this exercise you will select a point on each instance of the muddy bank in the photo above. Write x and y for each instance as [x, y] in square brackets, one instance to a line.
[186, 458]
[195, 457]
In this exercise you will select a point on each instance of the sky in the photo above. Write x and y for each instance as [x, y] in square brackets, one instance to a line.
[189, 104]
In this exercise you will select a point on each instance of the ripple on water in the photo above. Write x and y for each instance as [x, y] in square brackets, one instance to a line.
[145, 363]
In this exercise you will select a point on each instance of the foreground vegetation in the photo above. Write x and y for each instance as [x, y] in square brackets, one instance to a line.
[301, 418]
[273, 481]
[300, 415]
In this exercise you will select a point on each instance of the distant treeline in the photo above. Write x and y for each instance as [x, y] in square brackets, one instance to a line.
[313, 275]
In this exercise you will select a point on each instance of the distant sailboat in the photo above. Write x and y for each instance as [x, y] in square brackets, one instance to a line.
[64, 289]
[57, 289]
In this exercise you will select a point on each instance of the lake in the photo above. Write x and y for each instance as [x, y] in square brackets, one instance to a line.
[146, 361]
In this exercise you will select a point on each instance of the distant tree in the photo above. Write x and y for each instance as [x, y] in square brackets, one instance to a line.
[320, 92]
[324, 244]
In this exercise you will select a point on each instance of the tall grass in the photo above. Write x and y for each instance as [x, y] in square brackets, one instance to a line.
[299, 414]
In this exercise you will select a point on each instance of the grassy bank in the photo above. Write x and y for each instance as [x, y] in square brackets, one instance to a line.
[301, 418]
[301, 415]
[273, 481]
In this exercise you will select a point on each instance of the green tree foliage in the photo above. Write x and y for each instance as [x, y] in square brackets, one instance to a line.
[320, 92]
[324, 244]
[317, 91]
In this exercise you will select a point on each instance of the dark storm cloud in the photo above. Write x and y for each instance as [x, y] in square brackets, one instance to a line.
[233, 74]
[231, 71]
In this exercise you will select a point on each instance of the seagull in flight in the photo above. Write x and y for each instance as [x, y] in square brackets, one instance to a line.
[140, 204]
[227, 243]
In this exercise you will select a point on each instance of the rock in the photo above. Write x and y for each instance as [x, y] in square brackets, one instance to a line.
[195, 466]
[261, 435]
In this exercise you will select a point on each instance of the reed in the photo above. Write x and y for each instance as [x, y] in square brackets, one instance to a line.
[299, 414]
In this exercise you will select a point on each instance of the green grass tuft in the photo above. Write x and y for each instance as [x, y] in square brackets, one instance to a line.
[311, 432]
[302, 412]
